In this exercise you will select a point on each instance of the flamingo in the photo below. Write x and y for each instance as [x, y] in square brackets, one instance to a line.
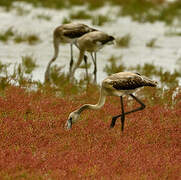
[118, 84]
[66, 33]
[91, 42]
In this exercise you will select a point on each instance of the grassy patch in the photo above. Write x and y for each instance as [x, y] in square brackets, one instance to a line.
[66, 20]
[21, 75]
[170, 12]
[6, 35]
[20, 11]
[112, 67]
[61, 81]
[7, 4]
[149, 11]
[123, 41]
[100, 20]
[19, 38]
[166, 78]
[29, 64]
[139, 10]
[80, 15]
[44, 17]
[93, 5]
[30, 39]
[151, 43]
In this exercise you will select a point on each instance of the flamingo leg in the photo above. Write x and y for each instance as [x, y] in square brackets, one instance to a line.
[71, 58]
[94, 59]
[95, 68]
[125, 113]
[86, 69]
[81, 56]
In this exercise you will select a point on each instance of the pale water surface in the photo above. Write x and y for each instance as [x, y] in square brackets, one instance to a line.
[166, 53]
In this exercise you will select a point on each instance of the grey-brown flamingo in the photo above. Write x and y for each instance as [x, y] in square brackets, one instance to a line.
[119, 84]
[91, 42]
[66, 33]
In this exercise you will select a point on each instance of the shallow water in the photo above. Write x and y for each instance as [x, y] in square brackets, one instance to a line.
[165, 54]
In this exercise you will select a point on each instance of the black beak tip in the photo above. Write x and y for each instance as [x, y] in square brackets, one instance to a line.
[70, 123]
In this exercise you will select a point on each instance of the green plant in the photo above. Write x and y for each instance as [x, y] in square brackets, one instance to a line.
[30, 39]
[148, 69]
[66, 20]
[4, 79]
[21, 11]
[113, 67]
[44, 17]
[62, 81]
[93, 5]
[7, 4]
[138, 10]
[123, 41]
[6, 35]
[28, 64]
[80, 15]
[4, 68]
[19, 38]
[100, 20]
[151, 43]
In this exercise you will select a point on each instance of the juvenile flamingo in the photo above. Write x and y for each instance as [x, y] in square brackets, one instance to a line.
[91, 42]
[119, 84]
[66, 33]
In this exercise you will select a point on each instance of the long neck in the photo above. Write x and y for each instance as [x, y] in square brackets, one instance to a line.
[56, 47]
[47, 72]
[100, 103]
[56, 51]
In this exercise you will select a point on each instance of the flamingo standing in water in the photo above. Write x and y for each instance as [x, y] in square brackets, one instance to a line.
[66, 33]
[91, 42]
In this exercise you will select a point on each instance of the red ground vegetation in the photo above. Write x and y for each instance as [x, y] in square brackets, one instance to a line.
[35, 145]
